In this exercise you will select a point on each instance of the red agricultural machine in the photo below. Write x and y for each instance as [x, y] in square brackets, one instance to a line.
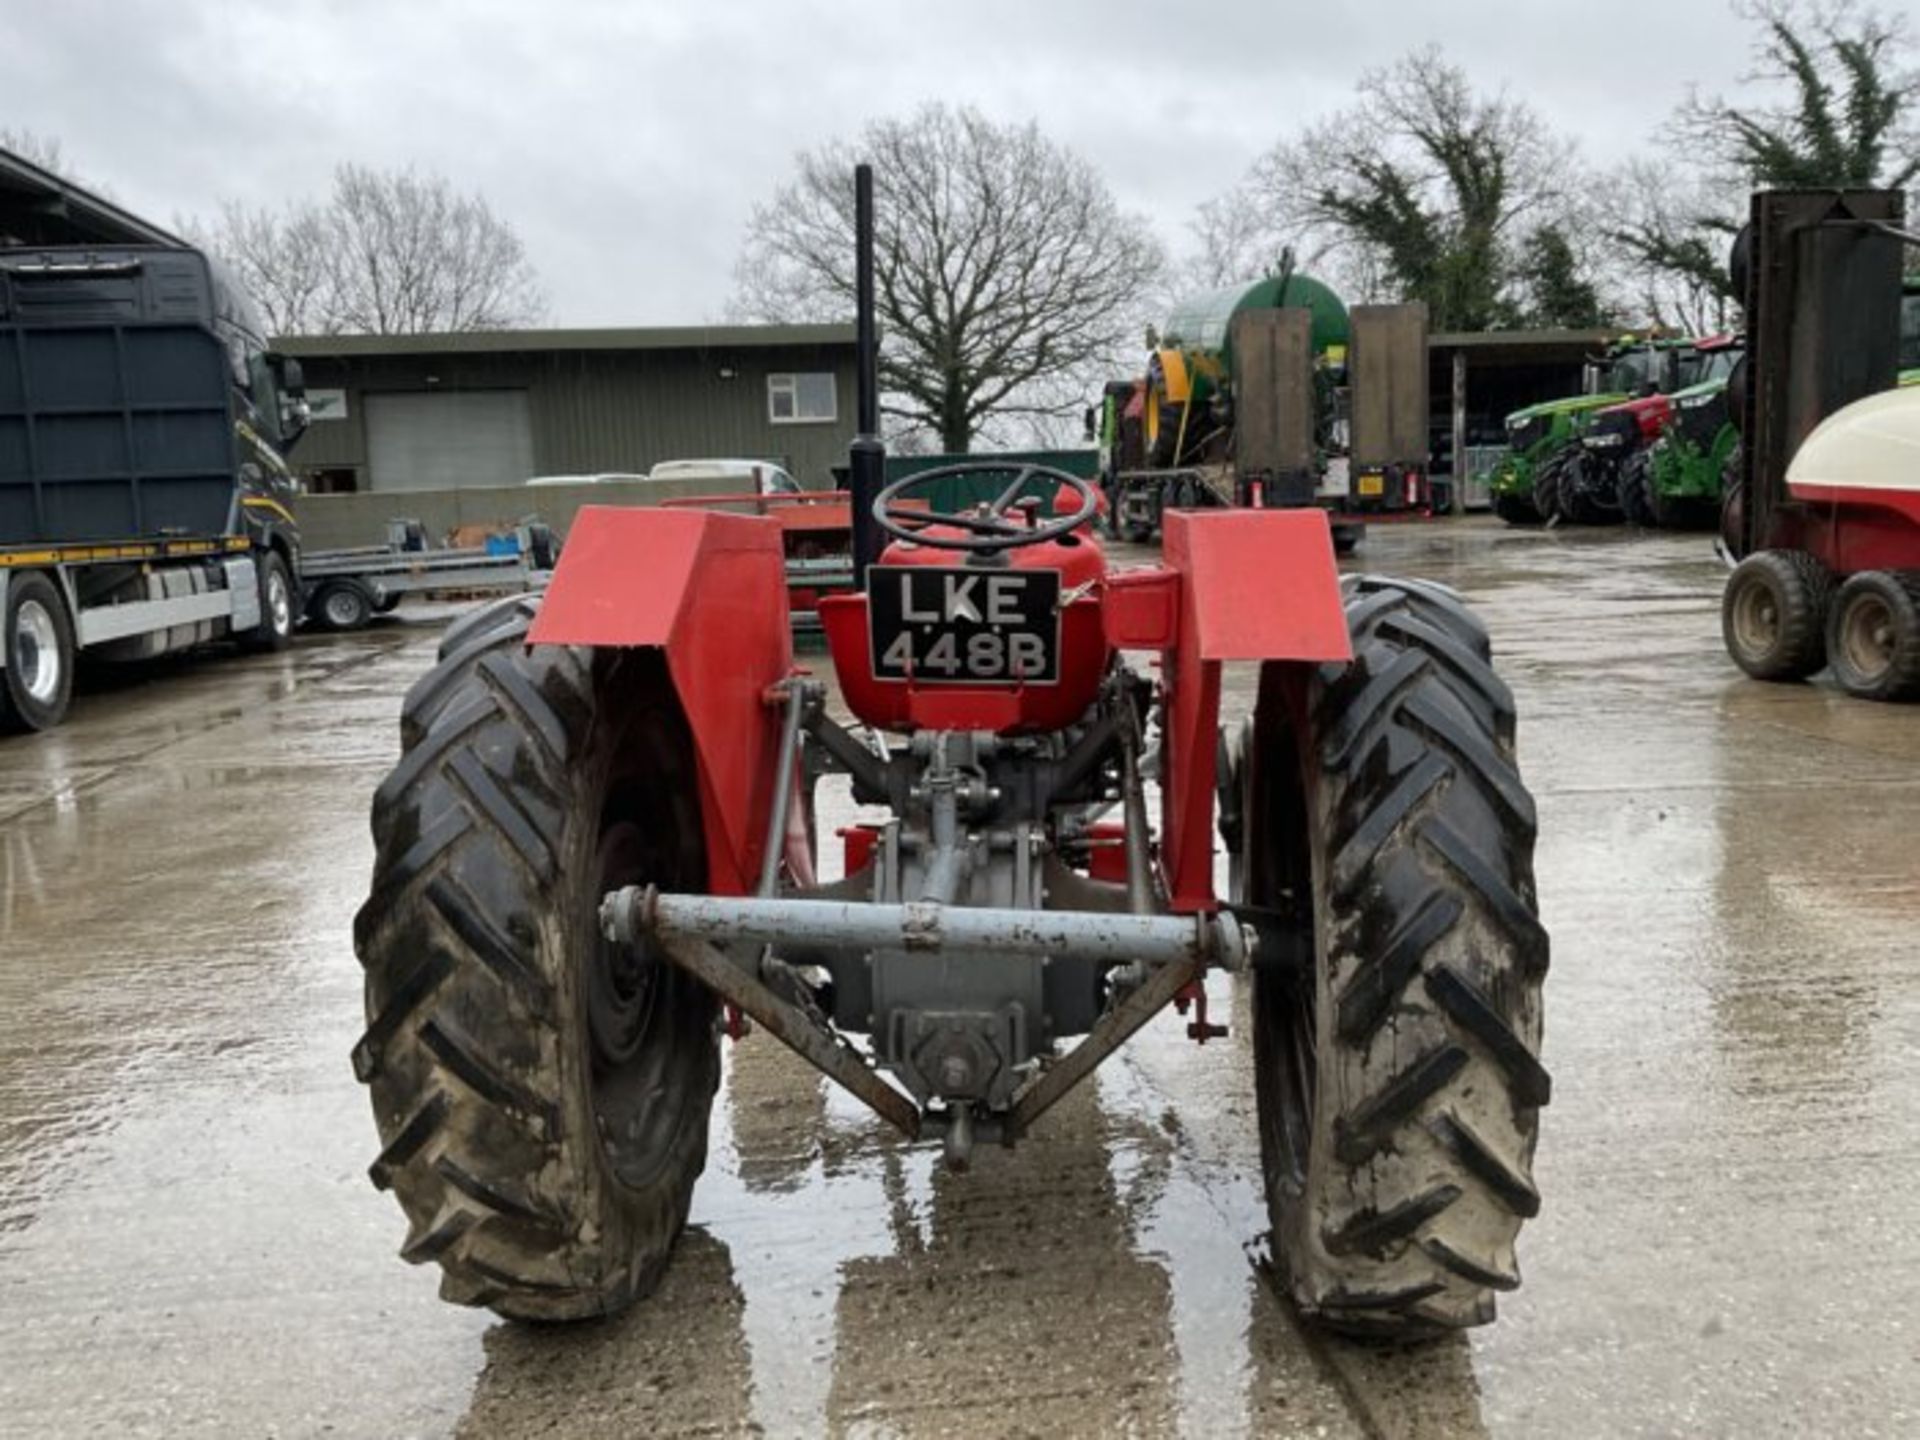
[597, 856]
[1825, 512]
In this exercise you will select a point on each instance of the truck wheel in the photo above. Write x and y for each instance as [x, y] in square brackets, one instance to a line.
[542, 1099]
[1637, 499]
[340, 606]
[1873, 636]
[1773, 614]
[1397, 1012]
[37, 684]
[277, 607]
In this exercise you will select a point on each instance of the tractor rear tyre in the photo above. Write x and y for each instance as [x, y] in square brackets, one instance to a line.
[542, 1099]
[1516, 509]
[1873, 636]
[1773, 614]
[1397, 982]
[1733, 505]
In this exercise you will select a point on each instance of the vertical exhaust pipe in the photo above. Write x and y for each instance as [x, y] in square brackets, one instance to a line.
[867, 457]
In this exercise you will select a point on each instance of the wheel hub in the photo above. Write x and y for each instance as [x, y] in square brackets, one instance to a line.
[623, 979]
[1868, 637]
[1758, 620]
[341, 609]
[36, 650]
[279, 603]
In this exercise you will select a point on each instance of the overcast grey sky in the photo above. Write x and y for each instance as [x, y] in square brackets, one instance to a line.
[626, 140]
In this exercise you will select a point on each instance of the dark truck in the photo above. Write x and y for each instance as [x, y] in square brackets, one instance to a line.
[145, 501]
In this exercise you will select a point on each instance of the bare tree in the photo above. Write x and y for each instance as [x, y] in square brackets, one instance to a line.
[1672, 231]
[281, 258]
[35, 148]
[387, 253]
[1004, 268]
[1423, 190]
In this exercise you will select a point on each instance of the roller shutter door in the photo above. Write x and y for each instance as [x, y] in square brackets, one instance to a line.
[448, 440]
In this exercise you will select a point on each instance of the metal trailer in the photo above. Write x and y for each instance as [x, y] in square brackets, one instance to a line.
[1274, 458]
[1388, 405]
[344, 589]
[144, 500]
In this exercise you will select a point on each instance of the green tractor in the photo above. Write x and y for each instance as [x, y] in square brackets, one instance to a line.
[1676, 482]
[1544, 455]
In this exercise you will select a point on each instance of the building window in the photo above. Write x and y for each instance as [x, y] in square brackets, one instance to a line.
[802, 399]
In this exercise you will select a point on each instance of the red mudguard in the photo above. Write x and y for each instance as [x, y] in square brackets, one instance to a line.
[1237, 585]
[710, 589]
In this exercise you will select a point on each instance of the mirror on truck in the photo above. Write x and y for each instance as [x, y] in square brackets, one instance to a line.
[291, 382]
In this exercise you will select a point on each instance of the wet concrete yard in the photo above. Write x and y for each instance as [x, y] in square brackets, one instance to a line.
[1730, 1243]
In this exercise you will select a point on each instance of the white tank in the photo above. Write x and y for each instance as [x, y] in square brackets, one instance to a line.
[1872, 444]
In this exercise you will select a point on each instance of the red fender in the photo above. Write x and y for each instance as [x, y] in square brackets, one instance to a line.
[1236, 585]
[711, 590]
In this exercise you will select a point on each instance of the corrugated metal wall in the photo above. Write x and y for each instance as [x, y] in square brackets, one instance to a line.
[596, 411]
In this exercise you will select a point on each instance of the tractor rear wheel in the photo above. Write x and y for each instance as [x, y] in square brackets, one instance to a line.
[1773, 614]
[1873, 636]
[1397, 982]
[1515, 508]
[542, 1098]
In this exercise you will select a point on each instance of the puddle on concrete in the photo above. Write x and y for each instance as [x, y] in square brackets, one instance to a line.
[188, 1241]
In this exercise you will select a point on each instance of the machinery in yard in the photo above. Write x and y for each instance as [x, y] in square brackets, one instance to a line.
[144, 493]
[1676, 480]
[1826, 515]
[1545, 474]
[598, 853]
[1275, 352]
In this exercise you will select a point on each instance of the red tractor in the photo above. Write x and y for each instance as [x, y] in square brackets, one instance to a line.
[1825, 510]
[597, 855]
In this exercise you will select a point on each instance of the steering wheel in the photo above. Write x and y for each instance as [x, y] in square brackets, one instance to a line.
[992, 527]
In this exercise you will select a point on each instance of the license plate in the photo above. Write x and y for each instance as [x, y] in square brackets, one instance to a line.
[964, 625]
[1373, 485]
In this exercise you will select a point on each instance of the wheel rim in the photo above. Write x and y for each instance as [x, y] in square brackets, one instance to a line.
[279, 601]
[624, 980]
[1285, 1027]
[642, 1014]
[1867, 637]
[342, 609]
[36, 651]
[1756, 620]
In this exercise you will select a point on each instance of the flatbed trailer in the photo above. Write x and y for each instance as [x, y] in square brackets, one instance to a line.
[343, 589]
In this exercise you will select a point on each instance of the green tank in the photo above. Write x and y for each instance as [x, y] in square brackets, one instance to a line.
[1204, 323]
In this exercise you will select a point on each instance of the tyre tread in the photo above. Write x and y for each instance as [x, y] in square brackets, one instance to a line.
[1433, 1084]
